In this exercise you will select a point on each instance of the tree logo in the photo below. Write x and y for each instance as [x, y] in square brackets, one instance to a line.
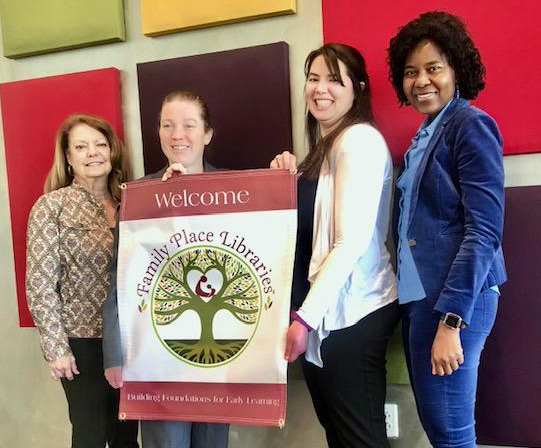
[194, 287]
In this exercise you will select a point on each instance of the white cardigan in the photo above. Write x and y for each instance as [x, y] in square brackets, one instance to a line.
[350, 270]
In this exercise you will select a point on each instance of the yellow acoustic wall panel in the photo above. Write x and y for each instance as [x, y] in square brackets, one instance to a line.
[170, 16]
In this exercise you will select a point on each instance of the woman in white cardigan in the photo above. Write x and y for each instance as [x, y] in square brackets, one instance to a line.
[344, 293]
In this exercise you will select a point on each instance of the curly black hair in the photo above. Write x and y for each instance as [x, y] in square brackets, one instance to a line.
[448, 32]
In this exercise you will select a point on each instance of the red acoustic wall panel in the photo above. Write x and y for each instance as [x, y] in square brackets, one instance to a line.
[507, 34]
[32, 111]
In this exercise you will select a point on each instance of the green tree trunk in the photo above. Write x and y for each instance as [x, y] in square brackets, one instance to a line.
[207, 318]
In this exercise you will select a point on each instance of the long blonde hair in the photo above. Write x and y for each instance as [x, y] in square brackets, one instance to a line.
[59, 176]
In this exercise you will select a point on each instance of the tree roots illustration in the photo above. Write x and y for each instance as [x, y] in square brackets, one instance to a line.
[200, 353]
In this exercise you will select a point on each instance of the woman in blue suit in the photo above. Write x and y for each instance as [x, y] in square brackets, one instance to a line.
[450, 199]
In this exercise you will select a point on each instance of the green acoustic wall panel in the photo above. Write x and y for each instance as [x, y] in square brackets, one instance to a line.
[397, 370]
[32, 27]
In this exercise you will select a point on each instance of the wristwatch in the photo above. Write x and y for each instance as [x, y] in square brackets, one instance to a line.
[452, 320]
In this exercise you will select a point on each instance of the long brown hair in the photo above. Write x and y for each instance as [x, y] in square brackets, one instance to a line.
[59, 176]
[360, 111]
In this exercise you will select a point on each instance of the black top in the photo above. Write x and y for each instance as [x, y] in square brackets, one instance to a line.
[306, 195]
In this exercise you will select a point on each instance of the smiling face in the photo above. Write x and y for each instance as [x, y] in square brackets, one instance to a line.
[328, 100]
[183, 136]
[89, 153]
[429, 81]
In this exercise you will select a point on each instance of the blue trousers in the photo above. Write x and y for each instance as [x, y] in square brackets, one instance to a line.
[446, 404]
[178, 434]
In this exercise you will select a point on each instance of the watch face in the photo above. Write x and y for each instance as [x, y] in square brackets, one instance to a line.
[452, 320]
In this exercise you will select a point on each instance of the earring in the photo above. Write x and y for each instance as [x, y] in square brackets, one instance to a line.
[70, 170]
[457, 91]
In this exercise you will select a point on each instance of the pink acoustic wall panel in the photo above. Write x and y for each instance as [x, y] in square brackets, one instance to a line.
[507, 34]
[32, 110]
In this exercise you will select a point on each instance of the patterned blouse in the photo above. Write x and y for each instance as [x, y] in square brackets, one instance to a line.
[69, 247]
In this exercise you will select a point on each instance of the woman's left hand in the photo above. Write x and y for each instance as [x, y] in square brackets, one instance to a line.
[63, 367]
[114, 376]
[297, 340]
[447, 353]
[285, 161]
[174, 168]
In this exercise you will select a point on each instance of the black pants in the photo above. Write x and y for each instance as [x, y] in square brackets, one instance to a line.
[93, 404]
[349, 391]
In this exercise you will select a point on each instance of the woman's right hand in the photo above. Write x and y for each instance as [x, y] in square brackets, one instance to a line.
[63, 367]
[296, 341]
[285, 161]
[174, 168]
[114, 376]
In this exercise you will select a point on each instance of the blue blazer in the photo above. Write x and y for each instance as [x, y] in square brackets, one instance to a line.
[456, 218]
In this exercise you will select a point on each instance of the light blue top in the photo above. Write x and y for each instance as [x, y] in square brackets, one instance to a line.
[410, 287]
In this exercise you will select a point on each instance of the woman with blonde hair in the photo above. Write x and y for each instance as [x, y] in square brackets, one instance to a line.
[184, 131]
[69, 248]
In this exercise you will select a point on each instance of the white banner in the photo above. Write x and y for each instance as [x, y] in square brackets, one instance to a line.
[204, 280]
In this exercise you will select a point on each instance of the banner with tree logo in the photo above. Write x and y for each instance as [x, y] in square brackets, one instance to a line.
[204, 280]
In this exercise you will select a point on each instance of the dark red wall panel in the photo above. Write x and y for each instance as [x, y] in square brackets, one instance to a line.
[509, 398]
[247, 91]
[507, 34]
[32, 111]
